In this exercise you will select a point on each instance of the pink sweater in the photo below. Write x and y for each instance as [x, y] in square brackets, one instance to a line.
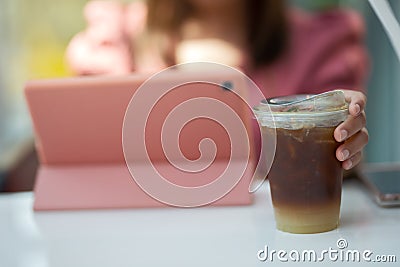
[325, 50]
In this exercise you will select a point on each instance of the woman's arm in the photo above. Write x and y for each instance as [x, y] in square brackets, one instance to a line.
[344, 64]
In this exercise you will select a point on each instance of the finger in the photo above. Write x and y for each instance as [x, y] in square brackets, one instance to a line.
[100, 11]
[353, 161]
[353, 145]
[105, 21]
[356, 100]
[350, 126]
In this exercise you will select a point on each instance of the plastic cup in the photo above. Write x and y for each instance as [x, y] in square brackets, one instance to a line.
[305, 177]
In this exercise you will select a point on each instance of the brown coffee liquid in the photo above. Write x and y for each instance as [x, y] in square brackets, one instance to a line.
[306, 180]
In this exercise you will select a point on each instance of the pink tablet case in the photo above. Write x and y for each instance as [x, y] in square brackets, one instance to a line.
[78, 134]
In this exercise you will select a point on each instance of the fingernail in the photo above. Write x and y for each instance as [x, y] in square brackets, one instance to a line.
[345, 154]
[357, 108]
[348, 164]
[343, 135]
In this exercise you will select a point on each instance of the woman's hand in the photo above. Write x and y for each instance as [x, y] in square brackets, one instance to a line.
[103, 47]
[352, 131]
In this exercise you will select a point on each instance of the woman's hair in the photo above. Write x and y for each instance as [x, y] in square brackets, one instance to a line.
[266, 24]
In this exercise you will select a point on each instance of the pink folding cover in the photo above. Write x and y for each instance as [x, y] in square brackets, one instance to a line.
[78, 133]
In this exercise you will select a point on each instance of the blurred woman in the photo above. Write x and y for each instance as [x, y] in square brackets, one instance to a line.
[285, 51]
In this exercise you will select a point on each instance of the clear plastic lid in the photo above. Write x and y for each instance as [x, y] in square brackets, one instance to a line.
[303, 111]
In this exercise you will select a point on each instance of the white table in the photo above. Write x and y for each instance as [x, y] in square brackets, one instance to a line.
[211, 236]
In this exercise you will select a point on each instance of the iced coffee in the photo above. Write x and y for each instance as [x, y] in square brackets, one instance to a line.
[305, 177]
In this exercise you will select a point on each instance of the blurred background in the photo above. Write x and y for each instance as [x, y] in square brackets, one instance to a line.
[33, 38]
